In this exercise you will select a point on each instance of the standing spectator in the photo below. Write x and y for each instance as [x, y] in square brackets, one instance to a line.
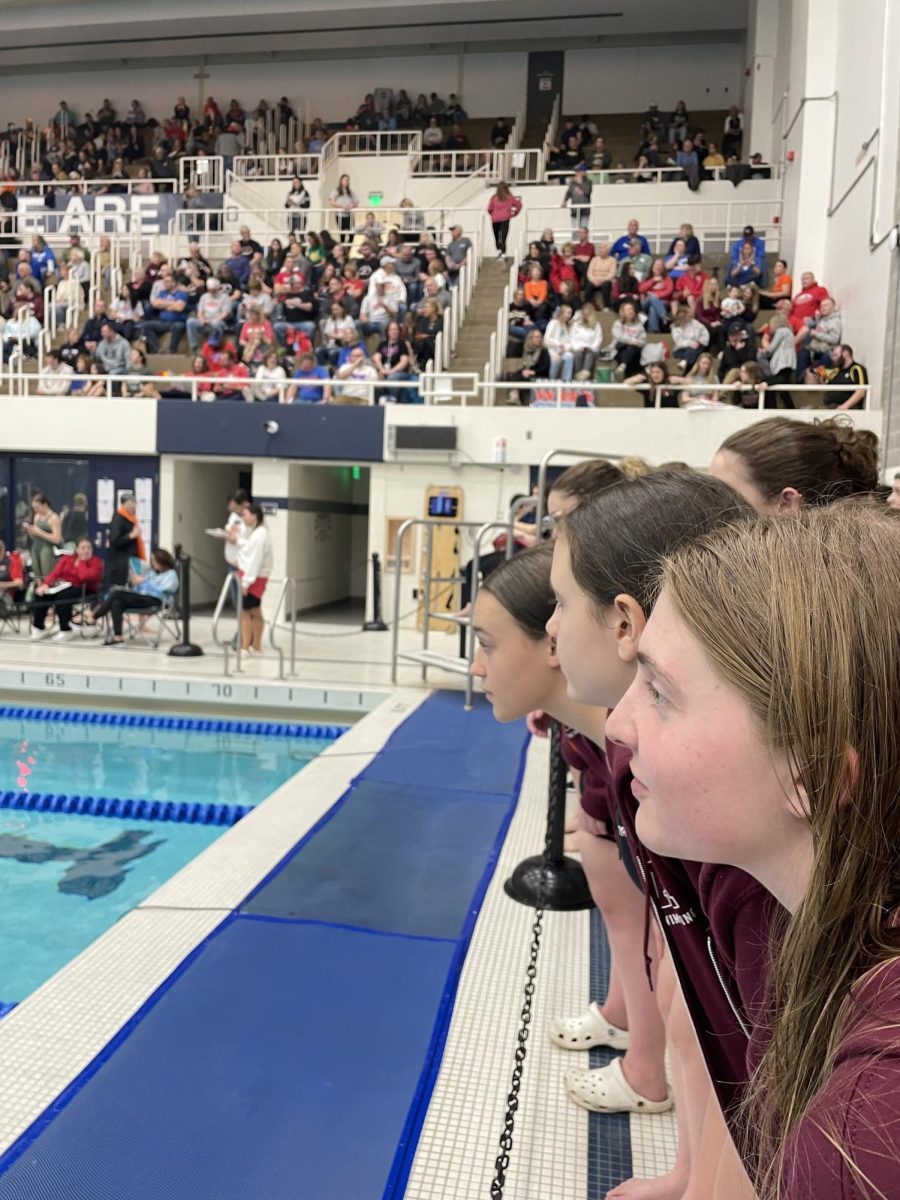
[229, 144]
[777, 356]
[297, 203]
[457, 250]
[578, 198]
[845, 372]
[255, 566]
[630, 337]
[80, 574]
[733, 134]
[502, 207]
[343, 200]
[678, 124]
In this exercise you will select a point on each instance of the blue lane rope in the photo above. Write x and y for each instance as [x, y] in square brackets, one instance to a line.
[178, 812]
[78, 716]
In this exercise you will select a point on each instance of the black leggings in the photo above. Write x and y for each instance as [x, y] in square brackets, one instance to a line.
[501, 232]
[118, 601]
[61, 602]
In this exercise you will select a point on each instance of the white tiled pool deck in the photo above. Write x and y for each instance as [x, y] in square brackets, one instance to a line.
[54, 1034]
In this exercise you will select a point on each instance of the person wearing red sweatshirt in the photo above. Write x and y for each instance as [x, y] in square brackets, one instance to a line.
[73, 577]
[806, 301]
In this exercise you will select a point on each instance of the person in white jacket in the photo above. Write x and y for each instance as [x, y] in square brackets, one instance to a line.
[556, 341]
[254, 564]
[585, 339]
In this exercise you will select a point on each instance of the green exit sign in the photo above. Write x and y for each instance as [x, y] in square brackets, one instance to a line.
[375, 198]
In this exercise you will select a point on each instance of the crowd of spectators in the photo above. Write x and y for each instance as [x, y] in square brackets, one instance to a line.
[665, 140]
[343, 322]
[674, 317]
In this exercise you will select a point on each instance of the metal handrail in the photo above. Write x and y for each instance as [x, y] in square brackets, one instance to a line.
[542, 476]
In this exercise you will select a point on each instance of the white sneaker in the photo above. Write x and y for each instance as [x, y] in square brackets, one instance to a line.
[38, 635]
[64, 635]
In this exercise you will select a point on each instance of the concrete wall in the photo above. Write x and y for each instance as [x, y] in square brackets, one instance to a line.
[192, 498]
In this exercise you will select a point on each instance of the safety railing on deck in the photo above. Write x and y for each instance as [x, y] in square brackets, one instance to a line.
[667, 174]
[274, 167]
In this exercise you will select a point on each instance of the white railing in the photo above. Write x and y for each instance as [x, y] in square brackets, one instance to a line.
[717, 223]
[275, 167]
[514, 166]
[90, 187]
[517, 132]
[397, 141]
[206, 172]
[667, 174]
[437, 386]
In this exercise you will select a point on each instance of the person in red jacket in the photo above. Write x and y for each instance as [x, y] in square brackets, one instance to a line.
[72, 577]
[562, 267]
[689, 286]
[806, 301]
[502, 207]
[656, 295]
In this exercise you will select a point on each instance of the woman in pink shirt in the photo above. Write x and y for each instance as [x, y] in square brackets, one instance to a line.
[502, 207]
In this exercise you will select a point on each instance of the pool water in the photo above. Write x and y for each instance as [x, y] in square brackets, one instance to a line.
[147, 763]
[65, 879]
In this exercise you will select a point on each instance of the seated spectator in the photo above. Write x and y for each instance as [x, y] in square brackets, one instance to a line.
[750, 385]
[257, 339]
[112, 352]
[759, 169]
[378, 309]
[236, 268]
[583, 249]
[454, 113]
[69, 296]
[214, 309]
[739, 349]
[562, 267]
[688, 237]
[568, 295]
[268, 375]
[79, 575]
[394, 360]
[520, 322]
[55, 376]
[745, 269]
[26, 297]
[12, 577]
[676, 262]
[817, 337]
[626, 288]
[353, 380]
[408, 268]
[842, 371]
[600, 274]
[713, 158]
[556, 341]
[656, 293]
[42, 260]
[145, 593]
[428, 325]
[707, 310]
[732, 307]
[704, 392]
[806, 303]
[298, 303]
[601, 158]
[432, 135]
[652, 381]
[689, 286]
[622, 246]
[535, 363]
[232, 372]
[782, 286]
[689, 337]
[500, 133]
[70, 351]
[310, 384]
[21, 334]
[637, 263]
[686, 158]
[585, 340]
[457, 140]
[777, 357]
[368, 229]
[168, 306]
[629, 337]
[135, 381]
[749, 238]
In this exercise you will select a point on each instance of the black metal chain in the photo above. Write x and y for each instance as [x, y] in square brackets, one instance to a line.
[557, 790]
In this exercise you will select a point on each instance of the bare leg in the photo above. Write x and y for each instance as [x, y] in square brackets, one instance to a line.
[622, 906]
[257, 628]
[246, 629]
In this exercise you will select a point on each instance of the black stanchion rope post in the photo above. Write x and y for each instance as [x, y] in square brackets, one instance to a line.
[185, 648]
[376, 625]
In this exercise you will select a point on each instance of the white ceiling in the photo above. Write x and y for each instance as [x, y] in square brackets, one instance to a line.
[41, 36]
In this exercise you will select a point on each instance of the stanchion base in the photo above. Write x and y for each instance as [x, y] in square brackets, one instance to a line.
[560, 887]
[185, 650]
[375, 627]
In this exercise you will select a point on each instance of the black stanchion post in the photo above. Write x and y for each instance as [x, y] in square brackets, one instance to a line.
[185, 648]
[551, 880]
[376, 625]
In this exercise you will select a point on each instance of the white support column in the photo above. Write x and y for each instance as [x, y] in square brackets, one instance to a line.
[760, 102]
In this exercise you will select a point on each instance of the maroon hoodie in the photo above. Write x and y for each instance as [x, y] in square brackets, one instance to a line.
[716, 922]
[585, 756]
[847, 1147]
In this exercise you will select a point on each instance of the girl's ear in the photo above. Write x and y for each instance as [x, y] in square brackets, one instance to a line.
[629, 625]
[789, 500]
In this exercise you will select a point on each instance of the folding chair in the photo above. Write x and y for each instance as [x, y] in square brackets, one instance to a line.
[148, 625]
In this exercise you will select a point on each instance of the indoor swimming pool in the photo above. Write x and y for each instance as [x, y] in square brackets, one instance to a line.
[66, 877]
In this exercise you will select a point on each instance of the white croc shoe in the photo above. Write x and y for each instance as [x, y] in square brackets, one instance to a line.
[591, 1029]
[606, 1090]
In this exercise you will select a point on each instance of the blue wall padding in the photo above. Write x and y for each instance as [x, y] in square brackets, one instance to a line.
[280, 1065]
[145, 721]
[456, 750]
[396, 857]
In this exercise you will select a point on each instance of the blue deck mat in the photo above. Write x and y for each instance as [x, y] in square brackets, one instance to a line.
[266, 1071]
[293, 1054]
[394, 857]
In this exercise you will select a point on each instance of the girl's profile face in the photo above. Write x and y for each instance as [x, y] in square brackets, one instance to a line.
[710, 786]
[585, 637]
[517, 672]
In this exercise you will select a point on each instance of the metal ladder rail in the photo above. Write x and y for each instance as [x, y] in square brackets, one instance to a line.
[541, 498]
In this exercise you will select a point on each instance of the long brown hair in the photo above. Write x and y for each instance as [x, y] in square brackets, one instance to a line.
[823, 460]
[816, 655]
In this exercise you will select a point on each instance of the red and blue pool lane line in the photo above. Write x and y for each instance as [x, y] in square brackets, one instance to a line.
[77, 716]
